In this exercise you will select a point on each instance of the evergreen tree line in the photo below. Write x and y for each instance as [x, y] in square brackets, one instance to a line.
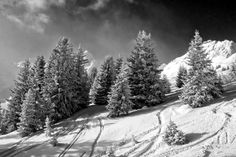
[61, 86]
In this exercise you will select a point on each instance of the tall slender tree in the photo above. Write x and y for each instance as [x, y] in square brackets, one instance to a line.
[104, 81]
[119, 97]
[79, 87]
[58, 70]
[118, 65]
[202, 84]
[144, 76]
[28, 117]
[22, 85]
[37, 85]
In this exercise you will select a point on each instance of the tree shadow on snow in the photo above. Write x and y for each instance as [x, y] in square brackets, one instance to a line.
[191, 137]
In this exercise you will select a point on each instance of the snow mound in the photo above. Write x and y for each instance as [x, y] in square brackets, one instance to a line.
[222, 54]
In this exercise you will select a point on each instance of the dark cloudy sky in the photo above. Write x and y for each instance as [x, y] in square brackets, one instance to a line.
[106, 27]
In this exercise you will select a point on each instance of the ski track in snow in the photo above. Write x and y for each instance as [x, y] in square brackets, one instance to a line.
[97, 138]
[76, 137]
[179, 150]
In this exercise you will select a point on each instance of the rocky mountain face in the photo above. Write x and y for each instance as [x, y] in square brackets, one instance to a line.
[222, 54]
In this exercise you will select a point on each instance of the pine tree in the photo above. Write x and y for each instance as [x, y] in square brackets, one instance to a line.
[79, 87]
[165, 84]
[58, 78]
[173, 136]
[105, 80]
[119, 97]
[37, 85]
[144, 76]
[118, 65]
[22, 85]
[202, 84]
[181, 76]
[28, 117]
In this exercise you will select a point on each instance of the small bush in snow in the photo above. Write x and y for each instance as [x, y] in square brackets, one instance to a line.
[173, 136]
[53, 141]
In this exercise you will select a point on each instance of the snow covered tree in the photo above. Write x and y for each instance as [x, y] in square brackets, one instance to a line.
[119, 98]
[118, 65]
[165, 84]
[181, 76]
[79, 85]
[144, 75]
[202, 83]
[104, 81]
[173, 136]
[22, 85]
[66, 87]
[28, 117]
[38, 70]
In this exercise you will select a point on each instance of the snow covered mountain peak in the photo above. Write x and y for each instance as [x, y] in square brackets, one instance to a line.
[222, 54]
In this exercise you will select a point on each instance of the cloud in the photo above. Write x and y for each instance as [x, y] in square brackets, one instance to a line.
[27, 13]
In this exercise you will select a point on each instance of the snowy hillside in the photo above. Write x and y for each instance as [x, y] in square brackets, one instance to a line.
[222, 54]
[210, 131]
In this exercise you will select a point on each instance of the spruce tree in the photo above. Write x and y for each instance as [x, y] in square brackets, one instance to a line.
[22, 85]
[202, 83]
[79, 87]
[61, 67]
[181, 76]
[28, 117]
[119, 98]
[104, 80]
[144, 75]
[118, 65]
[173, 136]
[165, 84]
[37, 85]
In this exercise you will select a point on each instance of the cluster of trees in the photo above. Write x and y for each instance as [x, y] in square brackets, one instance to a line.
[123, 86]
[61, 86]
[56, 88]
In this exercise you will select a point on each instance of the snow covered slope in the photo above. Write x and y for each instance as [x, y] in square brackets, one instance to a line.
[210, 130]
[222, 54]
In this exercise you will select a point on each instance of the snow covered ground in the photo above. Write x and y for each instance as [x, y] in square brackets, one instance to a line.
[211, 132]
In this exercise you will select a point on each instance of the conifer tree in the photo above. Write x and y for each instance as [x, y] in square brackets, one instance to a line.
[173, 136]
[119, 97]
[181, 76]
[37, 85]
[104, 81]
[144, 76]
[58, 78]
[118, 65]
[79, 87]
[202, 84]
[28, 117]
[22, 85]
[165, 84]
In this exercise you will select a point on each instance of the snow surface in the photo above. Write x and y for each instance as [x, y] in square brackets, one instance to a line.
[210, 130]
[222, 53]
